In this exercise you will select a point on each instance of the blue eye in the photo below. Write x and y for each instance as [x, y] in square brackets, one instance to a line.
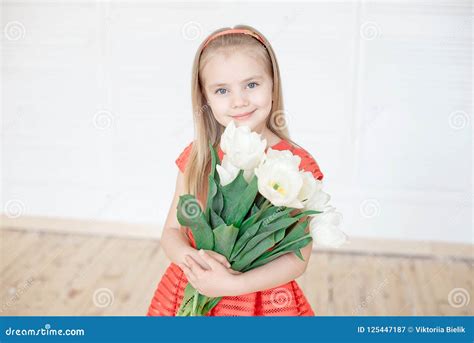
[221, 91]
[253, 84]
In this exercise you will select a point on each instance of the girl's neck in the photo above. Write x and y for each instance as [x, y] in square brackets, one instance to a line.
[271, 138]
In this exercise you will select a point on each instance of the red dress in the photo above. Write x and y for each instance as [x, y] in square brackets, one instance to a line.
[284, 300]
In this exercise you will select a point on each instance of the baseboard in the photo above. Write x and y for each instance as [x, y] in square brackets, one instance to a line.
[397, 247]
[355, 245]
[81, 226]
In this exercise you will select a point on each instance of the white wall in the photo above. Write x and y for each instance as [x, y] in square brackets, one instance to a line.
[96, 106]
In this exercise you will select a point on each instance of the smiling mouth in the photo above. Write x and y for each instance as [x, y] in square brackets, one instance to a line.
[243, 115]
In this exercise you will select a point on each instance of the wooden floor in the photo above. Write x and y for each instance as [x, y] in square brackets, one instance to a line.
[58, 274]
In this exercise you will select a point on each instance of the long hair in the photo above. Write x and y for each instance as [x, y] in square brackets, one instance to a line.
[206, 127]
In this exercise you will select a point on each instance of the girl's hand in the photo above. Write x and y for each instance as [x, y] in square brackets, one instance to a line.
[197, 258]
[214, 282]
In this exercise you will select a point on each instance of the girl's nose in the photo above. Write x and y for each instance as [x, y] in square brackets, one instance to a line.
[239, 100]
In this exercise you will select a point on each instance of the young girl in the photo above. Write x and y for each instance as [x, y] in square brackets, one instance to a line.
[235, 77]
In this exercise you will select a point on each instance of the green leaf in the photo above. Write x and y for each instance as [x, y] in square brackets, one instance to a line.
[294, 234]
[216, 220]
[186, 303]
[189, 214]
[193, 303]
[279, 235]
[298, 231]
[266, 215]
[241, 241]
[210, 305]
[269, 218]
[253, 254]
[279, 224]
[218, 202]
[243, 204]
[260, 200]
[224, 239]
[289, 245]
[306, 213]
[266, 210]
[211, 193]
[232, 193]
[213, 180]
[253, 210]
[246, 224]
[299, 254]
[260, 216]
[250, 221]
[201, 303]
[271, 255]
[264, 232]
[270, 211]
[273, 219]
[297, 244]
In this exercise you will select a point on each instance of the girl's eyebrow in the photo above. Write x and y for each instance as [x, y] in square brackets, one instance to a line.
[247, 79]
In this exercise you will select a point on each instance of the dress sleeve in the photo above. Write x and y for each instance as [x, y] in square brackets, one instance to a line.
[308, 163]
[182, 160]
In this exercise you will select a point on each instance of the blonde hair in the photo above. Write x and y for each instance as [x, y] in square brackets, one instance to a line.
[206, 127]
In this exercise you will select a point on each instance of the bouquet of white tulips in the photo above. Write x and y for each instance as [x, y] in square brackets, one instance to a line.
[258, 208]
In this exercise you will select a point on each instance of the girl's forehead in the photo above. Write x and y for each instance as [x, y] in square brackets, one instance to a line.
[224, 67]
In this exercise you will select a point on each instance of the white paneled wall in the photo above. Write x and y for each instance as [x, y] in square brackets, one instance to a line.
[96, 106]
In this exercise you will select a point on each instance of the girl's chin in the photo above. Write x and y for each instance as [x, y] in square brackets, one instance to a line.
[249, 123]
[250, 120]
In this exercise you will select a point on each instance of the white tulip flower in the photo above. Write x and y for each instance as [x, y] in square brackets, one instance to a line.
[244, 149]
[325, 228]
[279, 179]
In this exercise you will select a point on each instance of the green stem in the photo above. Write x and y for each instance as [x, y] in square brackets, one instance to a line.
[195, 302]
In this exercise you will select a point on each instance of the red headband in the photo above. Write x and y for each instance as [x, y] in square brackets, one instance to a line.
[229, 31]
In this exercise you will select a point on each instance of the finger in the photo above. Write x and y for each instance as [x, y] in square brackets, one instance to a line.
[209, 260]
[200, 261]
[188, 272]
[220, 258]
[192, 283]
[235, 272]
[194, 266]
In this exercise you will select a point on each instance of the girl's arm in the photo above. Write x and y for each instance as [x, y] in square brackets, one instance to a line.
[275, 273]
[220, 281]
[174, 241]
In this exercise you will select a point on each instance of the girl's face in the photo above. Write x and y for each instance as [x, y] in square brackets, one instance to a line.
[237, 87]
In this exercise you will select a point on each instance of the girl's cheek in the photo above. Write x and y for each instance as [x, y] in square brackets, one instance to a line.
[263, 98]
[220, 108]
